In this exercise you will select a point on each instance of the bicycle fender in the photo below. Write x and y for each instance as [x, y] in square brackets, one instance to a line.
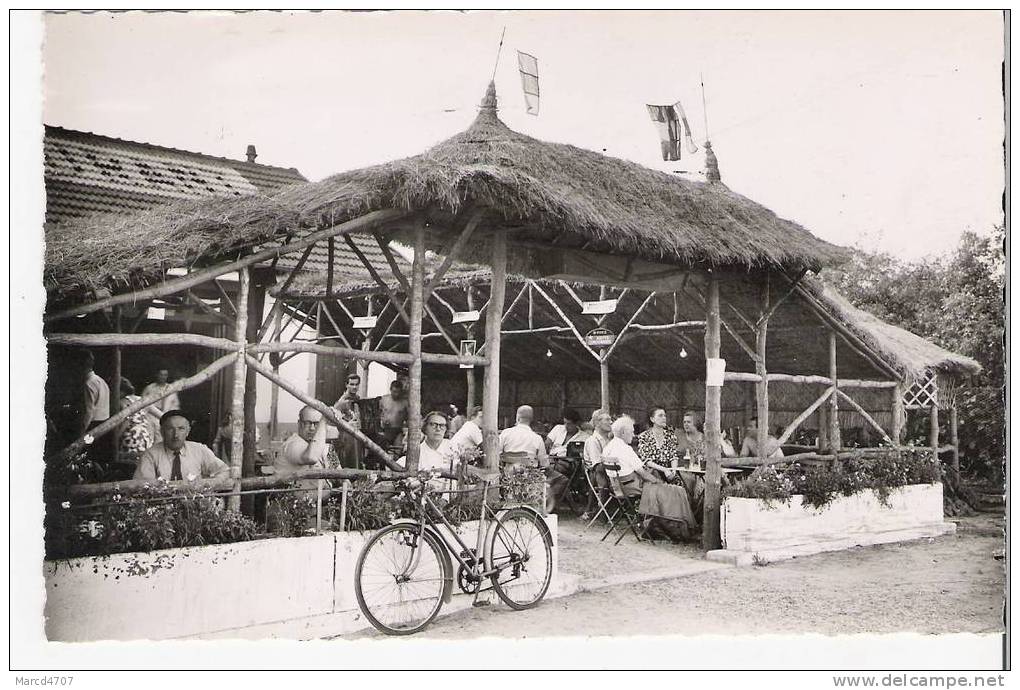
[448, 574]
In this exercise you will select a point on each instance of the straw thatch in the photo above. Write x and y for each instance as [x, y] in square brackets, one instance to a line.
[550, 193]
[910, 353]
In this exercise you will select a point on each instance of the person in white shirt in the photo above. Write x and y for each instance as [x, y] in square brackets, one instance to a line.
[469, 436]
[436, 452]
[97, 410]
[521, 439]
[306, 449]
[562, 434]
[169, 402]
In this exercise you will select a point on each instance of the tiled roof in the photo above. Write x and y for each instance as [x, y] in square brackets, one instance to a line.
[88, 173]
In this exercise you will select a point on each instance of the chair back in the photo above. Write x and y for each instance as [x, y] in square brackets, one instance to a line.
[517, 458]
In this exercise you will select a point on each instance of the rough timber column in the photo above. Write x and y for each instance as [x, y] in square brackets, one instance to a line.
[472, 379]
[834, 440]
[366, 346]
[493, 321]
[899, 414]
[604, 378]
[933, 427]
[713, 397]
[762, 386]
[237, 399]
[414, 347]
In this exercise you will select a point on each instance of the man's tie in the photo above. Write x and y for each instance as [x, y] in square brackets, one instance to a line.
[175, 473]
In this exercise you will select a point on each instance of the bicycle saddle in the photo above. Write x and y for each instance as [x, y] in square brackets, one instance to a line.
[483, 474]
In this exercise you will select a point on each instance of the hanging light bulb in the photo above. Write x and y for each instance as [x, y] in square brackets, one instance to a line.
[548, 353]
[683, 352]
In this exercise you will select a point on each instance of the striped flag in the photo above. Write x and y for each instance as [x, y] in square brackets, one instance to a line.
[529, 80]
[668, 118]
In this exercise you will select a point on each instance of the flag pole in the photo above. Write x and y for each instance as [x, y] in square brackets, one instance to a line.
[704, 108]
[499, 51]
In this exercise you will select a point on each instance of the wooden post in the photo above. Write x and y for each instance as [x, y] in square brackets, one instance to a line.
[493, 320]
[256, 310]
[604, 378]
[823, 428]
[954, 438]
[115, 380]
[470, 374]
[414, 347]
[713, 396]
[933, 426]
[366, 346]
[762, 386]
[274, 400]
[237, 396]
[899, 414]
[834, 440]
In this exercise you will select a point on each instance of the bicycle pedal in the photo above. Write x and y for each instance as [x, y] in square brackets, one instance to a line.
[480, 604]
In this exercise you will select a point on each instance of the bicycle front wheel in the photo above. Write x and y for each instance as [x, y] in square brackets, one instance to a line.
[399, 579]
[521, 548]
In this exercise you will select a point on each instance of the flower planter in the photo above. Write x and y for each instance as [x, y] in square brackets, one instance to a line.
[299, 587]
[750, 529]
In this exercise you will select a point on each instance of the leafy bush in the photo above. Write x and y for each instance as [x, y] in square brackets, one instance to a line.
[159, 517]
[820, 485]
[291, 514]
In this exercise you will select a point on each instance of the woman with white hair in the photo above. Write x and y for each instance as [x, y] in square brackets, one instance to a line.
[665, 505]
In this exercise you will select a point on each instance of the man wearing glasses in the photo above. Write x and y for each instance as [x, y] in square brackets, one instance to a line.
[307, 448]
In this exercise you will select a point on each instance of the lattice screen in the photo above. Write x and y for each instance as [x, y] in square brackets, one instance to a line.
[924, 393]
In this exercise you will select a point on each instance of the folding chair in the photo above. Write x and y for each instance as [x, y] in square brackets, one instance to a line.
[601, 500]
[626, 512]
[574, 489]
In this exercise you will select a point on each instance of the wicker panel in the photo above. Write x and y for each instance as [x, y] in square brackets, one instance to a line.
[923, 393]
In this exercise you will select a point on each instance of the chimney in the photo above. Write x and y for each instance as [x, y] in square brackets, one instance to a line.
[711, 164]
[250, 153]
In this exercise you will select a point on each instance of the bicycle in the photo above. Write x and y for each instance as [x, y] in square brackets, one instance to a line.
[404, 574]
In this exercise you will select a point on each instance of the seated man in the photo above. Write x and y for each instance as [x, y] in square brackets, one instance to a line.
[562, 434]
[175, 457]
[749, 448]
[602, 423]
[305, 449]
[520, 439]
[469, 436]
[665, 506]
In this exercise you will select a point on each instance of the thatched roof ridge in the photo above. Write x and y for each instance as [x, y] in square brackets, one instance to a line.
[579, 198]
[911, 354]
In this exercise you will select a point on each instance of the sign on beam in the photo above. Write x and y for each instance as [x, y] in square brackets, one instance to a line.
[365, 323]
[599, 307]
[600, 337]
[468, 348]
[465, 316]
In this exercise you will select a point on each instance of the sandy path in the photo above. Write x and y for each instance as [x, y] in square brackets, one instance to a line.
[948, 584]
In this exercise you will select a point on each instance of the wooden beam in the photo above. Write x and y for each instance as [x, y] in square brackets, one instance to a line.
[296, 268]
[332, 321]
[605, 353]
[414, 420]
[139, 340]
[384, 247]
[584, 362]
[808, 379]
[899, 414]
[772, 310]
[383, 357]
[867, 417]
[256, 307]
[933, 425]
[390, 326]
[200, 303]
[377, 278]
[115, 419]
[274, 396]
[225, 298]
[442, 331]
[954, 440]
[795, 424]
[490, 404]
[115, 381]
[369, 220]
[762, 385]
[563, 316]
[326, 410]
[713, 433]
[604, 394]
[454, 250]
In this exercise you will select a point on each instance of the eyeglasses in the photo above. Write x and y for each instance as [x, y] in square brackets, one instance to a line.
[436, 425]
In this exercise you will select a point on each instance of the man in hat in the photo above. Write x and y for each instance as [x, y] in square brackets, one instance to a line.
[175, 457]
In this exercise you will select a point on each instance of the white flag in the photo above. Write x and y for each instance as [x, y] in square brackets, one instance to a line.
[529, 80]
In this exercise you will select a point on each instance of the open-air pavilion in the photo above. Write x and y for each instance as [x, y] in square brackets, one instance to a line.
[554, 240]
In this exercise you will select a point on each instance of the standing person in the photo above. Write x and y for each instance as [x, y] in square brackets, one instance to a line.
[159, 408]
[175, 457]
[96, 410]
[602, 423]
[658, 444]
[305, 449]
[348, 447]
[393, 412]
[134, 433]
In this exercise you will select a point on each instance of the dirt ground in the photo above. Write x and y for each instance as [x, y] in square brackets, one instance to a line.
[949, 584]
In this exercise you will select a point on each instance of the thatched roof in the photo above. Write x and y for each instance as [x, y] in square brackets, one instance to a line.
[550, 193]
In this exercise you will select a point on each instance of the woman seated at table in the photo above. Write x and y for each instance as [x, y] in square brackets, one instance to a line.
[658, 445]
[665, 506]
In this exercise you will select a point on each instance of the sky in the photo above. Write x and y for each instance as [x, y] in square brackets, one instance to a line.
[875, 129]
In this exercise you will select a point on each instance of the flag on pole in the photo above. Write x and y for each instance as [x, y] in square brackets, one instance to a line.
[669, 118]
[529, 80]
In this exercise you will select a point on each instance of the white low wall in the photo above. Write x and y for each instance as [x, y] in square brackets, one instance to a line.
[782, 531]
[292, 588]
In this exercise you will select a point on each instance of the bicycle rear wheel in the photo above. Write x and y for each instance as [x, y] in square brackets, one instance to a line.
[521, 548]
[399, 579]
